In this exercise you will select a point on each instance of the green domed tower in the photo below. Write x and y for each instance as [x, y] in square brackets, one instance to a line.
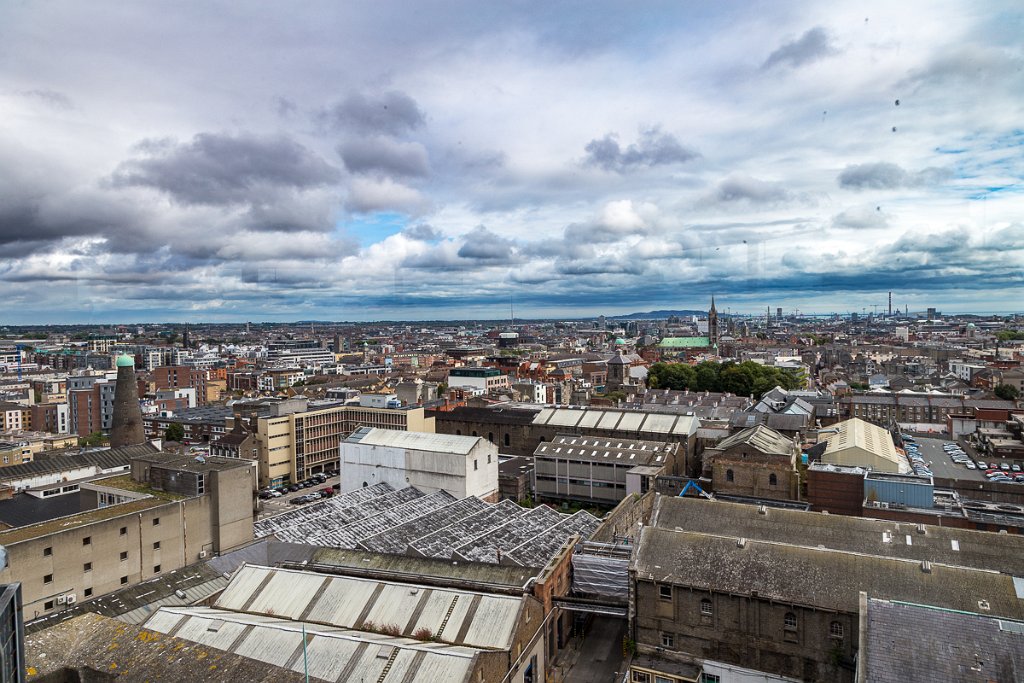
[126, 425]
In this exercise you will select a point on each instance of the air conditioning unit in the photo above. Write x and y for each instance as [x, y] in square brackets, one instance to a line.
[62, 599]
[202, 554]
[72, 599]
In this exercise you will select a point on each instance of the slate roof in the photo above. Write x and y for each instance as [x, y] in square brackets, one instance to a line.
[944, 645]
[104, 460]
[767, 441]
[815, 577]
[684, 342]
[977, 549]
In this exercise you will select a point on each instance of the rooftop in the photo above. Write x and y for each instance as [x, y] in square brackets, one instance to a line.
[104, 645]
[25, 533]
[618, 420]
[765, 440]
[946, 645]
[816, 577]
[604, 449]
[884, 538]
[415, 441]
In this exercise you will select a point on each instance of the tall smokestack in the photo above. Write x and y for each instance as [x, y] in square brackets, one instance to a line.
[890, 304]
[126, 426]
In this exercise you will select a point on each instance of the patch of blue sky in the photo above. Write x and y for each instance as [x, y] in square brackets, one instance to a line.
[373, 227]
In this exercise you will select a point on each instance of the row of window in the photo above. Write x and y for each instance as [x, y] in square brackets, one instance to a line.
[707, 609]
[87, 540]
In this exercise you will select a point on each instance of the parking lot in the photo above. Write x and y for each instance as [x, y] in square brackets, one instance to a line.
[941, 466]
[275, 506]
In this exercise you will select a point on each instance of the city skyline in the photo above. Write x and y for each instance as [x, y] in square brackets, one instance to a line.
[213, 162]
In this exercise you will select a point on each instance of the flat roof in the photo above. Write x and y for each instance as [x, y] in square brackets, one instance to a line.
[25, 533]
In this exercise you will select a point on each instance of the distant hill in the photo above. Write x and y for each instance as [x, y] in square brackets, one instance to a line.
[657, 315]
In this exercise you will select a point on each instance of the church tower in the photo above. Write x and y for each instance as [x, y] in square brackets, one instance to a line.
[713, 325]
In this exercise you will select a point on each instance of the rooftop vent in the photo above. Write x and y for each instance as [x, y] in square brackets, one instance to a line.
[762, 509]
[926, 567]
[741, 543]
[920, 528]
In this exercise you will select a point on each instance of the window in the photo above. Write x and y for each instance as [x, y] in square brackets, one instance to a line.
[641, 677]
[789, 621]
[773, 480]
[665, 592]
[87, 567]
[710, 678]
[490, 436]
[124, 580]
[156, 546]
[488, 458]
[729, 475]
[87, 540]
[47, 551]
[475, 465]
[48, 578]
[507, 440]
[124, 555]
[156, 569]
[835, 630]
[124, 531]
[48, 604]
[666, 640]
[87, 592]
[156, 521]
[705, 608]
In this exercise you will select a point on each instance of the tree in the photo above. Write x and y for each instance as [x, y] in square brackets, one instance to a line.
[94, 439]
[1007, 392]
[174, 432]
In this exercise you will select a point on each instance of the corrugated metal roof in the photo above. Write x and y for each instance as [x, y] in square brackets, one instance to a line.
[334, 654]
[417, 441]
[455, 616]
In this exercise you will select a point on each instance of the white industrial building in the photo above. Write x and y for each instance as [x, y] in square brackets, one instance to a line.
[856, 443]
[462, 466]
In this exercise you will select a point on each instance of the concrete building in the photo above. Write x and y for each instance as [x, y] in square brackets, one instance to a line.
[297, 439]
[483, 379]
[599, 470]
[856, 443]
[757, 462]
[462, 466]
[298, 353]
[168, 513]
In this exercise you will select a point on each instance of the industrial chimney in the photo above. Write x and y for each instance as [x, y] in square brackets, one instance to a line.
[126, 426]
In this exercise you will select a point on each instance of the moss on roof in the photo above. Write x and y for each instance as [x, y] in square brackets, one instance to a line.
[126, 483]
[73, 521]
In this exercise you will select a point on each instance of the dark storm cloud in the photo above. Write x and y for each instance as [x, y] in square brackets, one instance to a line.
[422, 232]
[391, 113]
[222, 169]
[739, 188]
[483, 245]
[883, 175]
[810, 47]
[385, 156]
[654, 147]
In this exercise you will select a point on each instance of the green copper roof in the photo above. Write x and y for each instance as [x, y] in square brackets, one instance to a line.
[125, 361]
[684, 342]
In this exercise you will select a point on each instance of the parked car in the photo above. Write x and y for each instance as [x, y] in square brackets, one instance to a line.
[1015, 467]
[1004, 467]
[970, 465]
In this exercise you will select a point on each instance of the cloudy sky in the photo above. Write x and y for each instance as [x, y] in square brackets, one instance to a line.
[369, 160]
